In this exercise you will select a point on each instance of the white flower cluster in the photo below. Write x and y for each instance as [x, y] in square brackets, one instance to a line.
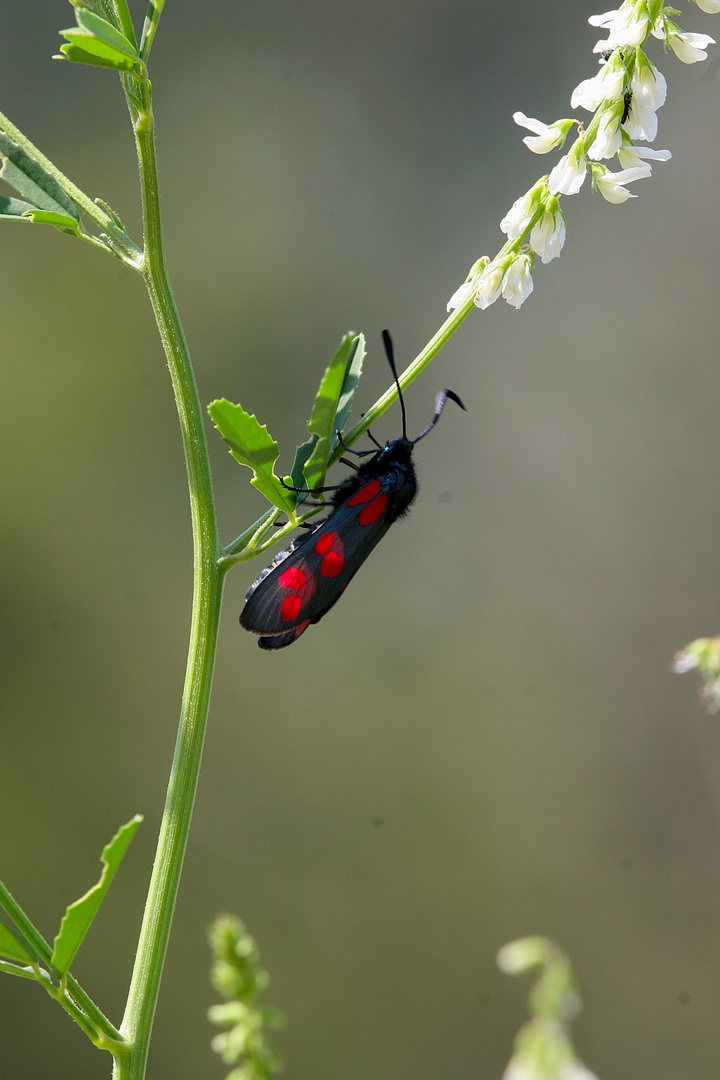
[624, 97]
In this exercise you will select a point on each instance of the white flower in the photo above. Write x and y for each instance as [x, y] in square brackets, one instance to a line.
[612, 185]
[648, 85]
[608, 137]
[568, 175]
[684, 661]
[548, 236]
[630, 155]
[588, 94]
[689, 47]
[547, 136]
[518, 218]
[626, 26]
[641, 123]
[711, 6]
[518, 283]
[607, 85]
[489, 286]
[462, 294]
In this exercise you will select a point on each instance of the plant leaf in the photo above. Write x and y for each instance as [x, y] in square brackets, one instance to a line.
[111, 10]
[31, 180]
[12, 945]
[152, 18]
[104, 31]
[14, 209]
[18, 210]
[297, 473]
[251, 445]
[78, 55]
[96, 41]
[332, 404]
[79, 916]
[62, 222]
[353, 371]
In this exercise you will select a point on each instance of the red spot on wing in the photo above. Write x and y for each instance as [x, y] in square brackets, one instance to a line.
[369, 491]
[332, 564]
[290, 607]
[331, 547]
[370, 513]
[325, 542]
[293, 577]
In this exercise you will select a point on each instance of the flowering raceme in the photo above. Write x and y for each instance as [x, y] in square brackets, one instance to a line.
[624, 97]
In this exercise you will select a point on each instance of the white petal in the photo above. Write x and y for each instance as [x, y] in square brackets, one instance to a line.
[588, 94]
[489, 287]
[531, 123]
[518, 283]
[612, 185]
[567, 177]
[690, 48]
[462, 294]
[684, 662]
[606, 19]
[648, 85]
[518, 218]
[608, 138]
[631, 156]
[711, 6]
[641, 123]
[548, 236]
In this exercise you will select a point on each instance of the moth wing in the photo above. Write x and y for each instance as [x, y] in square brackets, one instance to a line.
[304, 584]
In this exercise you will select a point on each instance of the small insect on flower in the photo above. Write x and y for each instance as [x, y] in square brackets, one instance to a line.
[304, 581]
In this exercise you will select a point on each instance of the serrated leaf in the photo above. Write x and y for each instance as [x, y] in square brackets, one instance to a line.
[11, 946]
[251, 445]
[79, 916]
[332, 404]
[31, 180]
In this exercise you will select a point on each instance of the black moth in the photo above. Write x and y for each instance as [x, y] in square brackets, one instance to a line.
[303, 582]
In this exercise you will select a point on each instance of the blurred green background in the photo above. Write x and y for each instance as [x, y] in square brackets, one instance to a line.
[484, 739]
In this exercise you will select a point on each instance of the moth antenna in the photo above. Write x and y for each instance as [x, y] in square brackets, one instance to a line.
[442, 397]
[390, 353]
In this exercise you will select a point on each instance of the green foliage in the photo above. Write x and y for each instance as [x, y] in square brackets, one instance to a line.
[251, 445]
[152, 18]
[96, 41]
[332, 405]
[13, 945]
[543, 1049]
[236, 975]
[79, 916]
[703, 655]
[114, 11]
[37, 185]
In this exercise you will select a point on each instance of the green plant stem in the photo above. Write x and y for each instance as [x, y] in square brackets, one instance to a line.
[207, 595]
[411, 372]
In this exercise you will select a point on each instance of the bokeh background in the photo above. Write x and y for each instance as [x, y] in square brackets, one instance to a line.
[484, 739]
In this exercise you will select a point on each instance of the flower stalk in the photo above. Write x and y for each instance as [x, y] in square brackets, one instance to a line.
[624, 97]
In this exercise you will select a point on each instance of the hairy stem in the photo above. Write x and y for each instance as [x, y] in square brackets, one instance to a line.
[207, 595]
